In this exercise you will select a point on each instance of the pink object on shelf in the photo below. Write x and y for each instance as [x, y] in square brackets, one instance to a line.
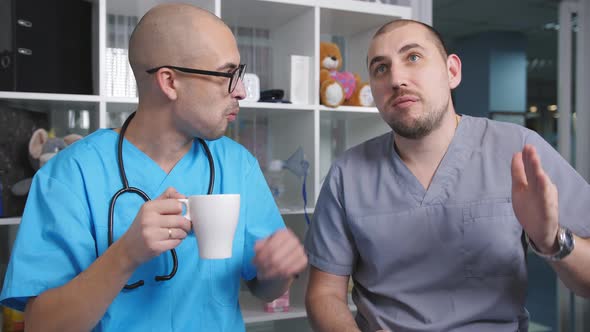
[281, 304]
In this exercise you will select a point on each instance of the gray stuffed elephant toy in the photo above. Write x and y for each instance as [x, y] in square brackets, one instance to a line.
[42, 147]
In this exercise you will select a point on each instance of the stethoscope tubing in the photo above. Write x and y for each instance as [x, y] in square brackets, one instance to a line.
[127, 189]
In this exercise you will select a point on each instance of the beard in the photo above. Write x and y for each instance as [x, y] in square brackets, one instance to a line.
[420, 127]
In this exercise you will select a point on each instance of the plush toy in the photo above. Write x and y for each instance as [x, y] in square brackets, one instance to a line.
[42, 147]
[340, 87]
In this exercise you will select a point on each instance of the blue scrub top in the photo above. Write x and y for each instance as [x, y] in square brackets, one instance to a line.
[65, 222]
[446, 258]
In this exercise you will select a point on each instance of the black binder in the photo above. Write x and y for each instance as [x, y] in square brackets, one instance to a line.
[46, 46]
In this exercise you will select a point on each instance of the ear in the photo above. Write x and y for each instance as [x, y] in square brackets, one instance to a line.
[166, 81]
[454, 70]
[39, 138]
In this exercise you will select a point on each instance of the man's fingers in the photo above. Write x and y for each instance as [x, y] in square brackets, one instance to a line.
[171, 193]
[528, 166]
[265, 247]
[260, 244]
[519, 181]
[534, 170]
[171, 233]
[260, 252]
[274, 253]
[280, 255]
[291, 264]
[167, 193]
[176, 221]
[166, 206]
[542, 179]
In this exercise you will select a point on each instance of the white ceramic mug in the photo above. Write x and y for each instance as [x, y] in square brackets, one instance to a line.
[214, 219]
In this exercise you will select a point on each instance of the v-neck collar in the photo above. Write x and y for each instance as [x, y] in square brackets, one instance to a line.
[445, 175]
[141, 170]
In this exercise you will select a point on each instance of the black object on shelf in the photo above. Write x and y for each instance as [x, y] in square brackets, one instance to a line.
[273, 96]
[46, 46]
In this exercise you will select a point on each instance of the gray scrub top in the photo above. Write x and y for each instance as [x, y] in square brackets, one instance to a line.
[446, 258]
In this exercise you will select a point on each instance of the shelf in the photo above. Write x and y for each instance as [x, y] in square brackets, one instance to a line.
[12, 95]
[309, 3]
[348, 113]
[374, 8]
[258, 316]
[46, 102]
[117, 104]
[251, 113]
[9, 221]
[275, 106]
[253, 310]
[120, 109]
[122, 100]
[349, 17]
[255, 13]
[253, 315]
[350, 109]
[288, 211]
[140, 7]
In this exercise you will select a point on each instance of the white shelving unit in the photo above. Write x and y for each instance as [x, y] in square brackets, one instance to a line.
[253, 313]
[9, 221]
[287, 27]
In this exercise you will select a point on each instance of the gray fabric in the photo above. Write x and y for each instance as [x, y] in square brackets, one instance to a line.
[449, 258]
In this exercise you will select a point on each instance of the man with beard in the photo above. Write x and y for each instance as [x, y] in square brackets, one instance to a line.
[64, 273]
[432, 220]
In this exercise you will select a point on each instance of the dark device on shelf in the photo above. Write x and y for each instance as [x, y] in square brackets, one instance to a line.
[46, 46]
[273, 96]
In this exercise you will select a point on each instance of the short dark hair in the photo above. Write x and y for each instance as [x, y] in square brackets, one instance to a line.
[436, 36]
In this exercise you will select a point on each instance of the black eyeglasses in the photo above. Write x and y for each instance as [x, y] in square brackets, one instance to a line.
[234, 76]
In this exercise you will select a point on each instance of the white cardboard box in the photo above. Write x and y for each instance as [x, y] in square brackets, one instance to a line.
[300, 79]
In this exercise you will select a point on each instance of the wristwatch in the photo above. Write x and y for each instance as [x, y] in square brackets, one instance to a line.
[565, 240]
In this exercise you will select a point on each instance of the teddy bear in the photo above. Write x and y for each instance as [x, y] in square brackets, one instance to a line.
[43, 146]
[340, 87]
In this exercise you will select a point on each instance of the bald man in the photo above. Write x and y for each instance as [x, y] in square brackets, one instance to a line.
[66, 272]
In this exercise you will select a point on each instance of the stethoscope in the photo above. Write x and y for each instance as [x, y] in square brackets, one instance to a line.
[127, 189]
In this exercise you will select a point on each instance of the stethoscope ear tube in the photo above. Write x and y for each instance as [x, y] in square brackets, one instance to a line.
[211, 166]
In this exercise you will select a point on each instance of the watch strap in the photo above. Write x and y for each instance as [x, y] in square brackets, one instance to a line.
[565, 240]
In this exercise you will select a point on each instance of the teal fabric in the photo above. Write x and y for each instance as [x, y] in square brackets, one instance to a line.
[64, 229]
